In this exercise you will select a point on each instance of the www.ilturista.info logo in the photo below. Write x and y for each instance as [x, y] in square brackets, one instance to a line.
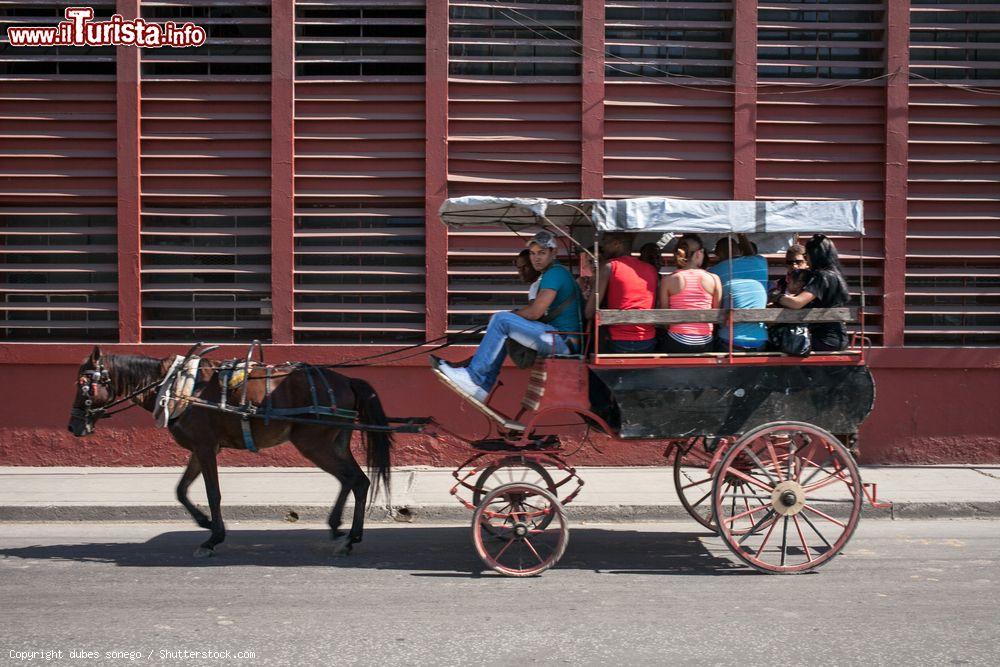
[80, 30]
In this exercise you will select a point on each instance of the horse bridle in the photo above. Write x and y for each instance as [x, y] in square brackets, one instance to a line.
[89, 381]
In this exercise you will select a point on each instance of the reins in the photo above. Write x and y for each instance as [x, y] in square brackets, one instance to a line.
[103, 411]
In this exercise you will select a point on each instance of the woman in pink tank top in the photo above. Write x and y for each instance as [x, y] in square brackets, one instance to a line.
[690, 287]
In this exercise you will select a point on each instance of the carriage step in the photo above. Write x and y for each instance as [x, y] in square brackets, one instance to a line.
[508, 424]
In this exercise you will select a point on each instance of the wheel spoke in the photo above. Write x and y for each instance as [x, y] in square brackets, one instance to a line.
[816, 530]
[743, 514]
[802, 538]
[699, 483]
[766, 538]
[757, 525]
[701, 500]
[774, 456]
[749, 452]
[784, 540]
[825, 516]
[530, 546]
[509, 542]
[749, 478]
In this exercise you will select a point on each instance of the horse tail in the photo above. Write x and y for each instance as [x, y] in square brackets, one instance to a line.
[377, 443]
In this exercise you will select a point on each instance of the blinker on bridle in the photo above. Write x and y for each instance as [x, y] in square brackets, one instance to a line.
[89, 381]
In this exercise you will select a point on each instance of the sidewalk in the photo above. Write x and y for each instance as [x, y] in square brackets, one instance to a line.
[610, 494]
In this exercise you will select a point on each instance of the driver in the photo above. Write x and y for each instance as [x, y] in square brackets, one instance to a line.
[556, 309]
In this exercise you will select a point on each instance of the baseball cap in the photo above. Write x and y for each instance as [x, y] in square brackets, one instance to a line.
[544, 239]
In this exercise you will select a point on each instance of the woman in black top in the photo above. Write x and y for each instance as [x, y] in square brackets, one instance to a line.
[826, 289]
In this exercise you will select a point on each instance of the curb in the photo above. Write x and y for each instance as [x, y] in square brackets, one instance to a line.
[451, 513]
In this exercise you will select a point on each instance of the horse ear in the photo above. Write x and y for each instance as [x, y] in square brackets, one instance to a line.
[95, 355]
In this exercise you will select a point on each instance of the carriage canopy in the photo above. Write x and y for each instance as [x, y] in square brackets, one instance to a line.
[661, 215]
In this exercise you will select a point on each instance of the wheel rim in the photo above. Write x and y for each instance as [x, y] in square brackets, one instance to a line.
[520, 530]
[693, 478]
[799, 499]
[514, 470]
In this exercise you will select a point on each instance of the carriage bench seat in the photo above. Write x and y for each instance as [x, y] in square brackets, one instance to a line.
[721, 316]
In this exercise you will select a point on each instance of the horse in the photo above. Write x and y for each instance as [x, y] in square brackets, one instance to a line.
[104, 379]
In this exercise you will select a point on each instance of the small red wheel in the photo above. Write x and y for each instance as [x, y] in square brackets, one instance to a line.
[510, 470]
[520, 530]
[799, 497]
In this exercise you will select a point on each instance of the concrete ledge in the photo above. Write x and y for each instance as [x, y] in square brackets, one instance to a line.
[450, 514]
[422, 494]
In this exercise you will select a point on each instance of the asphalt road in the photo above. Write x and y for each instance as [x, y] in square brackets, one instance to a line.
[903, 593]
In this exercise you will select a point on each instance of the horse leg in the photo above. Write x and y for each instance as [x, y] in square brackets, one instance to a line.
[190, 474]
[210, 470]
[360, 488]
[314, 444]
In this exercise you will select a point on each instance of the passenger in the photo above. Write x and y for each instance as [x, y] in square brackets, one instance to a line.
[826, 288]
[556, 308]
[690, 287]
[795, 258]
[797, 281]
[744, 285]
[527, 273]
[625, 283]
[652, 255]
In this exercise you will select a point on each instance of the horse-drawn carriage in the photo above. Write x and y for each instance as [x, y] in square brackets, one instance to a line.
[752, 434]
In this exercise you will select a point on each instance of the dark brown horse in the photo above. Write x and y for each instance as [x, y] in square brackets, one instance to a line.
[103, 379]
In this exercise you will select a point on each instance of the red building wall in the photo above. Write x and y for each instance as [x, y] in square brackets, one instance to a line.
[283, 181]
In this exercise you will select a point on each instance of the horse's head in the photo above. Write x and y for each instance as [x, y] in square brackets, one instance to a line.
[93, 392]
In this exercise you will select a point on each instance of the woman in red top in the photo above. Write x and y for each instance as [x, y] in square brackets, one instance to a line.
[690, 287]
[626, 283]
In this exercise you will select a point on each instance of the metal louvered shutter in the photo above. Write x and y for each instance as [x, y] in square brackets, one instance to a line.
[668, 38]
[205, 156]
[58, 240]
[953, 224]
[822, 40]
[359, 170]
[514, 130]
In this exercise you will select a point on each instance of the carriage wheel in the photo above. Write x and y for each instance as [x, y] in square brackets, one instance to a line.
[800, 499]
[693, 482]
[520, 530]
[510, 470]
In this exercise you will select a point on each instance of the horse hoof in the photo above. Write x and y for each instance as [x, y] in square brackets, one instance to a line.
[204, 552]
[342, 546]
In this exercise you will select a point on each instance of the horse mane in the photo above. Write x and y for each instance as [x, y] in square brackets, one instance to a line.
[130, 372]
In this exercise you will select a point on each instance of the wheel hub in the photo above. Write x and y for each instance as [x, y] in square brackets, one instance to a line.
[788, 498]
[520, 529]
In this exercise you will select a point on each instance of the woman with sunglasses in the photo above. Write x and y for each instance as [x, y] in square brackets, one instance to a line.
[826, 288]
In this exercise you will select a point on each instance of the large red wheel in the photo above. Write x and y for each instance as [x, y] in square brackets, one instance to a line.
[693, 477]
[799, 500]
[520, 530]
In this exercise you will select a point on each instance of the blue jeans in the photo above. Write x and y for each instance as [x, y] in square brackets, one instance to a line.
[485, 364]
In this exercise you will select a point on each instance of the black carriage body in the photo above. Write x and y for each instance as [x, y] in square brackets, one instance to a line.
[725, 400]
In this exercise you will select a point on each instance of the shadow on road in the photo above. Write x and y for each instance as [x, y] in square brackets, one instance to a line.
[430, 551]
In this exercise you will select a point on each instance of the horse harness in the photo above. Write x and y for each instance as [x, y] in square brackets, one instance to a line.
[234, 374]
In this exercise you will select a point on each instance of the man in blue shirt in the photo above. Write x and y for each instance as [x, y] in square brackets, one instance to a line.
[556, 308]
[744, 285]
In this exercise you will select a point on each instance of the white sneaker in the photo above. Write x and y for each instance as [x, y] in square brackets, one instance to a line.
[463, 381]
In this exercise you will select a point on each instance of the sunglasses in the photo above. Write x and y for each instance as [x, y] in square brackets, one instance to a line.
[796, 262]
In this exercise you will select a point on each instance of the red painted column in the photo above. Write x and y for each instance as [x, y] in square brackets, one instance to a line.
[282, 171]
[436, 167]
[745, 99]
[592, 100]
[127, 109]
[897, 101]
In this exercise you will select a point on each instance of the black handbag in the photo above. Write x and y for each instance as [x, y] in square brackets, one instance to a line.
[792, 339]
